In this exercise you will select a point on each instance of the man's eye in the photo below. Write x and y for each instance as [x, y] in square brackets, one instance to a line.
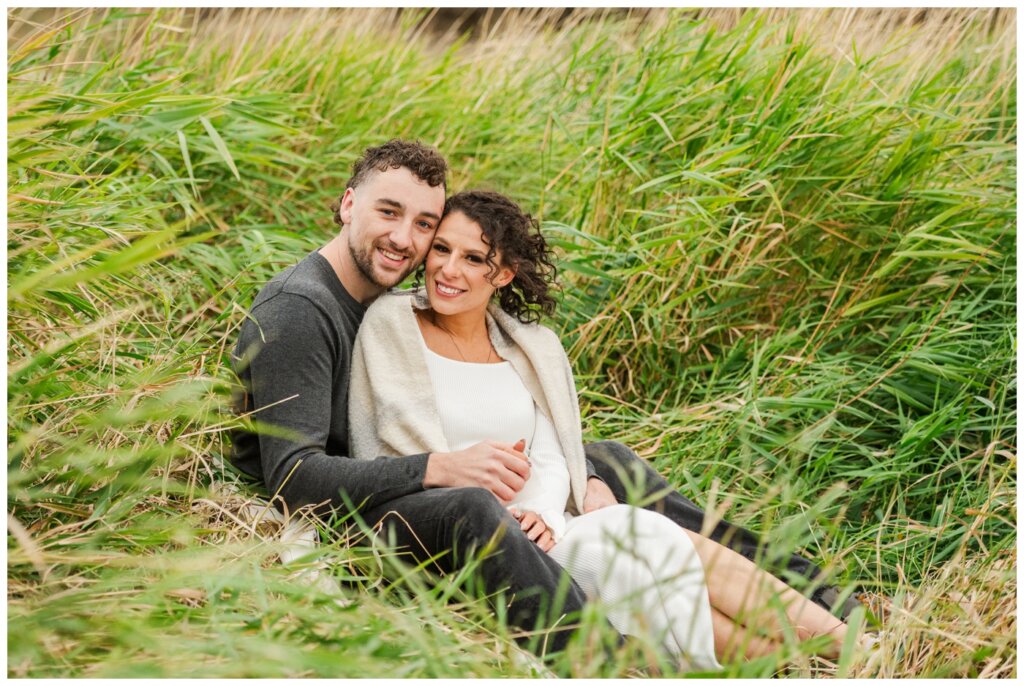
[426, 226]
[388, 213]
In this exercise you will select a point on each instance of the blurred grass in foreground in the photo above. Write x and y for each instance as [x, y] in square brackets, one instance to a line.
[789, 280]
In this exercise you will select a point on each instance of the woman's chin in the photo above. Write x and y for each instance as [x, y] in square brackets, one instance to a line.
[447, 308]
[441, 306]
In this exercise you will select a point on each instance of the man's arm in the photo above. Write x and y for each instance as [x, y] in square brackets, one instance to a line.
[295, 355]
[292, 379]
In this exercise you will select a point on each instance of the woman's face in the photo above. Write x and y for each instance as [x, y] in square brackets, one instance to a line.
[456, 268]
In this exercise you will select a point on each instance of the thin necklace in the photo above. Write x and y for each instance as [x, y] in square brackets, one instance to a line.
[490, 348]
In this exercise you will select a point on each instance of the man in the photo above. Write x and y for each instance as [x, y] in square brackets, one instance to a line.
[293, 359]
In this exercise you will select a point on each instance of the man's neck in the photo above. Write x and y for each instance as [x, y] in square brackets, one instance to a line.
[353, 281]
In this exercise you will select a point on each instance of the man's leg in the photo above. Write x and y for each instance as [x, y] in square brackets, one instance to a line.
[617, 465]
[450, 526]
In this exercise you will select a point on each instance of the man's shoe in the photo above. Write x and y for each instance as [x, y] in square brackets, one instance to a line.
[828, 597]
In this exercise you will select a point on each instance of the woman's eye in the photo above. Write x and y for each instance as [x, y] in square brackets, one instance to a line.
[475, 259]
[440, 248]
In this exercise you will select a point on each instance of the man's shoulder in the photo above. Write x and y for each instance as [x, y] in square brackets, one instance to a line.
[306, 280]
[302, 301]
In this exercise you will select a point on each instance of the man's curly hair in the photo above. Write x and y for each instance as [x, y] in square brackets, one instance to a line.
[516, 235]
[424, 162]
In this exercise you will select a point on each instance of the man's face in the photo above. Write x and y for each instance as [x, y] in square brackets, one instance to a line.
[390, 219]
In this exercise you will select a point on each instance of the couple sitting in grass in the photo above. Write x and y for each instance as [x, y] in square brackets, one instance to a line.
[450, 425]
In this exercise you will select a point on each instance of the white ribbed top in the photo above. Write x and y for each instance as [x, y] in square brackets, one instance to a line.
[481, 402]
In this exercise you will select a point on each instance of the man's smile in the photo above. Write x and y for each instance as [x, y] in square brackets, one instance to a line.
[392, 257]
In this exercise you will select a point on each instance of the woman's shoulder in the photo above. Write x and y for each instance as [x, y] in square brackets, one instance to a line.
[391, 305]
[536, 332]
[544, 333]
[389, 318]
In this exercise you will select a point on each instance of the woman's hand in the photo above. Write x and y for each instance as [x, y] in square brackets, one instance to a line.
[598, 495]
[535, 529]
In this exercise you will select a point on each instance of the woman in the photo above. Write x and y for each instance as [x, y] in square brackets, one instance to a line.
[459, 362]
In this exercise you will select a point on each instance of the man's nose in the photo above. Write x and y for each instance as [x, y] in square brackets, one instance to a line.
[401, 237]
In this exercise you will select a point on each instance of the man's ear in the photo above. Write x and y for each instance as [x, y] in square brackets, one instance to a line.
[345, 210]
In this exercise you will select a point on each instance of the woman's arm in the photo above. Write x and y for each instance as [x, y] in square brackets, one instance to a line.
[547, 490]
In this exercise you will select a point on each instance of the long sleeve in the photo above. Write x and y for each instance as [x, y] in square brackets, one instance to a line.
[298, 379]
[547, 490]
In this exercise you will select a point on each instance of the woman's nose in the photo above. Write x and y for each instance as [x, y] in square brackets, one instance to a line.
[450, 267]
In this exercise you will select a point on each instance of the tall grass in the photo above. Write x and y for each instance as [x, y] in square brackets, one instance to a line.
[788, 267]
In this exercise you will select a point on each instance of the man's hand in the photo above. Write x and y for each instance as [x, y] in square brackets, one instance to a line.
[501, 468]
[535, 528]
[598, 495]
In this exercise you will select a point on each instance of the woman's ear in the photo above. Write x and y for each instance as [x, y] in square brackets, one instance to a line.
[504, 277]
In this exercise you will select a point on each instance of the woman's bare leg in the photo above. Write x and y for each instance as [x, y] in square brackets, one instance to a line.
[744, 593]
[734, 642]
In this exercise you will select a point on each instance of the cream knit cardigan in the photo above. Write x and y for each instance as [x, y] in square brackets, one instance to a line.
[391, 405]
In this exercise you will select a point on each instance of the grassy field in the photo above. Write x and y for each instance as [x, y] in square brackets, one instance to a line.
[788, 281]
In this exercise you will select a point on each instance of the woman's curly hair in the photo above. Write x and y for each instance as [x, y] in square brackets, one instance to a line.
[516, 235]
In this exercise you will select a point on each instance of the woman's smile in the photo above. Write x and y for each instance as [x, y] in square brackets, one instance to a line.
[448, 291]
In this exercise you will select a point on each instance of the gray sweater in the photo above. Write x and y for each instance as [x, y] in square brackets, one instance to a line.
[293, 358]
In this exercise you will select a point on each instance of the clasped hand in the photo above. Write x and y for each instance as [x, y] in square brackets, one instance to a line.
[535, 528]
[501, 468]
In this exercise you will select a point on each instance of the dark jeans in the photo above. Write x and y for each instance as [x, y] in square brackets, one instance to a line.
[449, 528]
[620, 468]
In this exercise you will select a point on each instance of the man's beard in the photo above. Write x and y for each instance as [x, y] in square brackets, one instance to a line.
[364, 263]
